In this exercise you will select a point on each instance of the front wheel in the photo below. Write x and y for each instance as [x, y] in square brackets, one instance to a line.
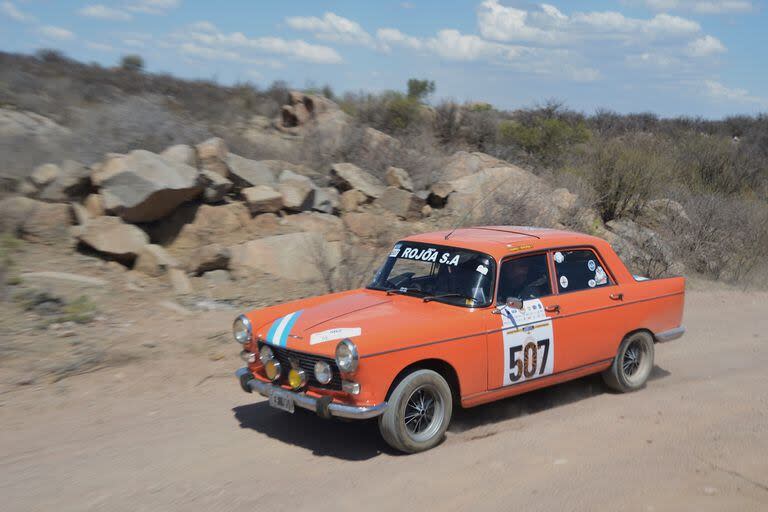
[632, 365]
[419, 412]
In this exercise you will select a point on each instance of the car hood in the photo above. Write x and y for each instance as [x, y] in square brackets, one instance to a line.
[375, 321]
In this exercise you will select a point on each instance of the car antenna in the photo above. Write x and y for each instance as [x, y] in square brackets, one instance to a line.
[472, 208]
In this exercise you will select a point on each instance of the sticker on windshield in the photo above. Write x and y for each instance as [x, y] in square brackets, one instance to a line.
[559, 258]
[600, 277]
[529, 343]
[430, 254]
[591, 283]
[338, 333]
[563, 282]
[591, 265]
[395, 251]
[482, 269]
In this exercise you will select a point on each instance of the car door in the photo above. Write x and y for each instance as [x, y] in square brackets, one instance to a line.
[585, 308]
[521, 344]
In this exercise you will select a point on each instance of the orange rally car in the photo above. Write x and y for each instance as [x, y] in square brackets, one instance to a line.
[461, 317]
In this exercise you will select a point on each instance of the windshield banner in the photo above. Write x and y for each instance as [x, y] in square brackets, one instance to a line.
[425, 254]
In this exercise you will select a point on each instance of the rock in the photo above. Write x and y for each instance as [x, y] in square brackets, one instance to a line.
[154, 261]
[208, 258]
[397, 177]
[643, 250]
[25, 188]
[193, 226]
[213, 156]
[262, 199]
[297, 256]
[368, 224]
[426, 210]
[380, 143]
[563, 199]
[81, 214]
[94, 203]
[326, 200]
[303, 110]
[331, 227]
[218, 276]
[664, 213]
[44, 174]
[346, 176]
[298, 191]
[181, 153]
[251, 173]
[462, 164]
[402, 203]
[35, 221]
[72, 183]
[438, 193]
[351, 200]
[216, 186]
[114, 238]
[143, 187]
[179, 282]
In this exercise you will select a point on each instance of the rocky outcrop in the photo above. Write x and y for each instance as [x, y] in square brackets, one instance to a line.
[406, 205]
[213, 156]
[114, 238]
[262, 199]
[216, 187]
[154, 260]
[35, 221]
[641, 249]
[298, 191]
[72, 183]
[346, 176]
[397, 177]
[143, 187]
[181, 153]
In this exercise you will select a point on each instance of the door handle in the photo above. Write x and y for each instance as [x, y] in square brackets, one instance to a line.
[555, 308]
[616, 296]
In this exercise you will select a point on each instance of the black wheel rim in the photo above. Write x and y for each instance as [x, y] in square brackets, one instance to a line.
[423, 413]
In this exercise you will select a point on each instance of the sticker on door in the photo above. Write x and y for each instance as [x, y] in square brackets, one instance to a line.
[529, 343]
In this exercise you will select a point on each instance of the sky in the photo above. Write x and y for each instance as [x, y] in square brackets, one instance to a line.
[672, 57]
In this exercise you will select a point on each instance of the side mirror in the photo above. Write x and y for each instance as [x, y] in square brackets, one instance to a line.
[511, 303]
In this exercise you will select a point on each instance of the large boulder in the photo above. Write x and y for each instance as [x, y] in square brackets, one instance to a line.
[664, 213]
[397, 177]
[143, 187]
[462, 164]
[194, 226]
[154, 261]
[326, 200]
[114, 238]
[262, 199]
[298, 191]
[250, 173]
[404, 204]
[181, 153]
[330, 226]
[208, 258]
[296, 256]
[346, 176]
[641, 249]
[35, 221]
[212, 155]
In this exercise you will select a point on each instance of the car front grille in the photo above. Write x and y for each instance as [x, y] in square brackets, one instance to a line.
[306, 362]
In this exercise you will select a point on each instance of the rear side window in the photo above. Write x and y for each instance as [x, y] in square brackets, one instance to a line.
[579, 270]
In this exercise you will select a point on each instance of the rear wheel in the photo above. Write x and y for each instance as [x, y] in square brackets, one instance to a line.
[632, 365]
[419, 412]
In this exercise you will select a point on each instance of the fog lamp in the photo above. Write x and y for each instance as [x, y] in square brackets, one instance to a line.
[297, 378]
[351, 387]
[265, 354]
[248, 357]
[323, 373]
[272, 369]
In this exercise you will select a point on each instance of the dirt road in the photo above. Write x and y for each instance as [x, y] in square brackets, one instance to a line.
[180, 435]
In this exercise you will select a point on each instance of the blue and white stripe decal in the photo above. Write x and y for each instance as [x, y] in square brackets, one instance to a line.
[281, 328]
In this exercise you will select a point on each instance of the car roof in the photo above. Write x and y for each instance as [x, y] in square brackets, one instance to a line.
[500, 241]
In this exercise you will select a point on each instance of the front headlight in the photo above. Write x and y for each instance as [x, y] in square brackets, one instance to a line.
[241, 329]
[346, 356]
[265, 354]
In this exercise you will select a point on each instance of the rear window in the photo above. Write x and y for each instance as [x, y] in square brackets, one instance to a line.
[579, 270]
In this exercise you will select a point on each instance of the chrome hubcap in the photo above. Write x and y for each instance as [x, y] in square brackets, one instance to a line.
[633, 357]
[420, 411]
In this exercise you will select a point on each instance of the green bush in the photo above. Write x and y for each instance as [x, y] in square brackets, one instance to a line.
[544, 138]
[134, 63]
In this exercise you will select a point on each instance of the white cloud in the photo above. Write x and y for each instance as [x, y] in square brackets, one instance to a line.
[58, 33]
[453, 45]
[706, 46]
[332, 27]
[393, 37]
[154, 6]
[297, 49]
[651, 60]
[547, 25]
[13, 12]
[204, 26]
[101, 47]
[103, 12]
[701, 7]
[193, 50]
[717, 90]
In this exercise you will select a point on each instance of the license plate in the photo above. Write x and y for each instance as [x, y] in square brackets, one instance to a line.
[282, 400]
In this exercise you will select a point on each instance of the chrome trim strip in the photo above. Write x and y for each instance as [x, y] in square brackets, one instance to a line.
[670, 335]
[310, 403]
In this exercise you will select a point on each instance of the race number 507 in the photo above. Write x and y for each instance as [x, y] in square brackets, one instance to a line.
[528, 360]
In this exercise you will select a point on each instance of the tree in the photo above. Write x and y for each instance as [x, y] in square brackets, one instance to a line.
[133, 63]
[420, 89]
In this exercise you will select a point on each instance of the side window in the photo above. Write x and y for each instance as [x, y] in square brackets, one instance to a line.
[524, 278]
[579, 270]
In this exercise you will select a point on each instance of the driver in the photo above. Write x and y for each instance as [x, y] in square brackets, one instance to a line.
[522, 279]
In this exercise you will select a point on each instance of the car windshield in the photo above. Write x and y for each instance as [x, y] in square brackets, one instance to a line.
[435, 272]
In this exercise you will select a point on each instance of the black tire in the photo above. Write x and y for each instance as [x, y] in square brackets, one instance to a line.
[632, 365]
[411, 424]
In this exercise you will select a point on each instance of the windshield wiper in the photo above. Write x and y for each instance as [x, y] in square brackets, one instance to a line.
[447, 295]
[403, 290]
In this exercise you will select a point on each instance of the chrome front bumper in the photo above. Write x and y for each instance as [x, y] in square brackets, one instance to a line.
[670, 335]
[322, 406]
